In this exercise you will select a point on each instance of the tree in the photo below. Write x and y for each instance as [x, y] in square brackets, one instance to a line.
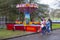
[42, 8]
[8, 8]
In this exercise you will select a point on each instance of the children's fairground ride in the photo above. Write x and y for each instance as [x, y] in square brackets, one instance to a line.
[26, 25]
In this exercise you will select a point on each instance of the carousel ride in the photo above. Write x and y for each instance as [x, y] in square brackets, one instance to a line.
[26, 25]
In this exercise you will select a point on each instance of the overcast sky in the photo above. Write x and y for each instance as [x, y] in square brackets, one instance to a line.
[52, 3]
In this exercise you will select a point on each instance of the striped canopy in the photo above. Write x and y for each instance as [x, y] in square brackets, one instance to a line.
[27, 7]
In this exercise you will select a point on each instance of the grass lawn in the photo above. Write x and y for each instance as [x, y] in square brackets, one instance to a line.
[56, 26]
[7, 33]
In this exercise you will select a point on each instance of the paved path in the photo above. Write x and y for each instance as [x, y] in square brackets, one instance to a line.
[55, 35]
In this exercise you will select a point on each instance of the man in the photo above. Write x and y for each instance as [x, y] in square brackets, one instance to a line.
[50, 23]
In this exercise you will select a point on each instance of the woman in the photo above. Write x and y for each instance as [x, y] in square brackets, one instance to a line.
[43, 26]
[48, 28]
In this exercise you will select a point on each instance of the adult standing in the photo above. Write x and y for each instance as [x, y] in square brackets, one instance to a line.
[48, 29]
[50, 23]
[43, 26]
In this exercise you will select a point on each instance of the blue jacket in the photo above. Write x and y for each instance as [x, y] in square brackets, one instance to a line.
[47, 24]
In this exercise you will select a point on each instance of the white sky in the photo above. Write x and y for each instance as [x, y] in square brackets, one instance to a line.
[51, 3]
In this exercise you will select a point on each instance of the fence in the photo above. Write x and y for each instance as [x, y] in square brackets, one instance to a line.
[2, 22]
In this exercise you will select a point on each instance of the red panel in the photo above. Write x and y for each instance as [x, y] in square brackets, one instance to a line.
[32, 28]
[10, 26]
[19, 27]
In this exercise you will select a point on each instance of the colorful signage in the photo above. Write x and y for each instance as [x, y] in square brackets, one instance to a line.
[27, 17]
[27, 5]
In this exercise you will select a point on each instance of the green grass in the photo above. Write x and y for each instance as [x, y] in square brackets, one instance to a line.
[7, 34]
[55, 26]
